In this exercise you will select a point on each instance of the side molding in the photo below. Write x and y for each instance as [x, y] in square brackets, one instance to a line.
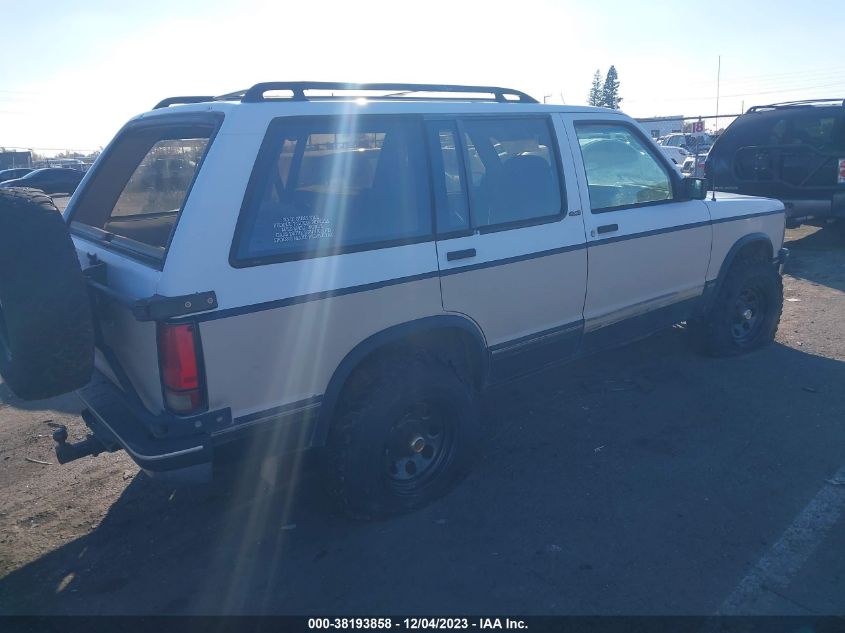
[392, 335]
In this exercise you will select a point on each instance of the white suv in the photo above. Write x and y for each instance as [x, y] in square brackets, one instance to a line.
[346, 267]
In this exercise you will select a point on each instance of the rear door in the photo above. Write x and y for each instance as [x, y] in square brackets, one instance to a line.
[648, 248]
[510, 235]
[125, 215]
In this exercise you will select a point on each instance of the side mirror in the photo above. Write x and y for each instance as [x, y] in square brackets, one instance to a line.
[694, 188]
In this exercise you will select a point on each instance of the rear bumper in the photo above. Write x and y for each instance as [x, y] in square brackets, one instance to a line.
[155, 443]
[800, 210]
[780, 259]
[164, 443]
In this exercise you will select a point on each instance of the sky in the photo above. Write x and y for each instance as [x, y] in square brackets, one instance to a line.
[72, 72]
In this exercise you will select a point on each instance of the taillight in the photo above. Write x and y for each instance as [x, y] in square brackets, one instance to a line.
[178, 358]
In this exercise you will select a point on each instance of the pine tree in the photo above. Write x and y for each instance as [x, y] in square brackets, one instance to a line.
[595, 98]
[610, 90]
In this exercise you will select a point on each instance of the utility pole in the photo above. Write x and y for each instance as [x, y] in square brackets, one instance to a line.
[718, 79]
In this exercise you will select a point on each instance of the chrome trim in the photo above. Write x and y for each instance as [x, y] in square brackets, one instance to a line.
[638, 309]
[266, 418]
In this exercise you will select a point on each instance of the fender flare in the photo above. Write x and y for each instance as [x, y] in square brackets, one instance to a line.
[712, 288]
[384, 337]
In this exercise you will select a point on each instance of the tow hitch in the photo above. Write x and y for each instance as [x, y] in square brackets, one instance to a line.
[66, 453]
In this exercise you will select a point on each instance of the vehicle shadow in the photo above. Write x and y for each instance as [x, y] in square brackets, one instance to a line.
[67, 403]
[602, 485]
[817, 255]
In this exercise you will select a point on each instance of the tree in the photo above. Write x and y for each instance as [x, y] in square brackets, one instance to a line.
[610, 90]
[595, 98]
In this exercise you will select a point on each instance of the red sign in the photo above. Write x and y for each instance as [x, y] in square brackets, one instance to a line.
[698, 126]
[841, 180]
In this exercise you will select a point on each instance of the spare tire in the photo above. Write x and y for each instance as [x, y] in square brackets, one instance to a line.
[46, 326]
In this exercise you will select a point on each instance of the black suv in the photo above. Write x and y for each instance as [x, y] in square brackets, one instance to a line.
[794, 152]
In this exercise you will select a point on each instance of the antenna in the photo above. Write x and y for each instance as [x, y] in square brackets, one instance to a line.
[718, 78]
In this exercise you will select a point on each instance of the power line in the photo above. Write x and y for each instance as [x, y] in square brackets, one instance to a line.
[751, 94]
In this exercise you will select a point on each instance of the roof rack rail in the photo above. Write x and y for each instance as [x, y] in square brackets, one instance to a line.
[298, 88]
[789, 104]
[179, 100]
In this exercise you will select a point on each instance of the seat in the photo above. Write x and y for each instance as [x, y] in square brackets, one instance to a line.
[526, 188]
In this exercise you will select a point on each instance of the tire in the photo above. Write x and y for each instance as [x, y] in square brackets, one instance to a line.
[46, 327]
[405, 435]
[745, 314]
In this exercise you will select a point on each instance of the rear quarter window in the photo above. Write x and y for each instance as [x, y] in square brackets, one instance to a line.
[329, 185]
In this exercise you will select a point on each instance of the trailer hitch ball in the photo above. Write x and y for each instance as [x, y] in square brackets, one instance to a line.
[60, 435]
[70, 452]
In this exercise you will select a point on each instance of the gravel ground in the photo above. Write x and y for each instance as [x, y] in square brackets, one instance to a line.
[646, 480]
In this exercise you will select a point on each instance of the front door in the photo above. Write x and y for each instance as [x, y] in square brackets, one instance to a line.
[648, 247]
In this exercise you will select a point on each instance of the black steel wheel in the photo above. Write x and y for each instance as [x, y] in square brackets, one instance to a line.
[419, 446]
[749, 315]
[745, 313]
[404, 436]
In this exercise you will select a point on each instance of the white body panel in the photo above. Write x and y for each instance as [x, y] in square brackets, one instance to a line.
[527, 296]
[287, 326]
[646, 262]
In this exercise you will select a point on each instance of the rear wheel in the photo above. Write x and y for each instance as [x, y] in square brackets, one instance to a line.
[746, 313]
[404, 436]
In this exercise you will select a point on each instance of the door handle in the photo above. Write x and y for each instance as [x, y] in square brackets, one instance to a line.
[464, 254]
[607, 228]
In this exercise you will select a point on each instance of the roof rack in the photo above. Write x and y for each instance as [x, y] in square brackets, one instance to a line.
[297, 89]
[179, 100]
[791, 104]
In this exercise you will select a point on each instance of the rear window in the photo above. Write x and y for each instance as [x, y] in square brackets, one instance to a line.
[329, 185]
[818, 128]
[135, 196]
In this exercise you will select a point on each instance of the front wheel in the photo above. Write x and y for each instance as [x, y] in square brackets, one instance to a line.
[403, 437]
[745, 314]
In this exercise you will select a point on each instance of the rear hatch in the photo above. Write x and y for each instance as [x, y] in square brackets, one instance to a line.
[786, 153]
[122, 221]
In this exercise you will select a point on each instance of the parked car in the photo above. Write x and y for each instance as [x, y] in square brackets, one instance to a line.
[694, 165]
[51, 180]
[15, 172]
[348, 274]
[794, 152]
[676, 154]
[698, 143]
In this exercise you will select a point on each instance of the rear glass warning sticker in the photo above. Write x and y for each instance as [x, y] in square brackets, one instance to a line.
[301, 227]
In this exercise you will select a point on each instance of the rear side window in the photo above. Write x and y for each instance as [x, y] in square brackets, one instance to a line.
[621, 171]
[135, 196]
[513, 171]
[328, 185]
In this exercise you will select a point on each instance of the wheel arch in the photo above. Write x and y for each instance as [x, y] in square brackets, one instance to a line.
[428, 332]
[749, 244]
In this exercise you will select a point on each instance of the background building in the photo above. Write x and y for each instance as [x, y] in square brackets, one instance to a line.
[11, 159]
